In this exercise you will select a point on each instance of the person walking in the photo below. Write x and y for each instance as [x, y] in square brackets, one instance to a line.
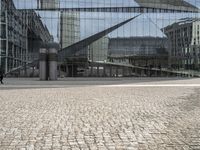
[1, 76]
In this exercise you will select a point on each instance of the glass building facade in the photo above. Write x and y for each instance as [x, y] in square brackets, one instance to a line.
[95, 34]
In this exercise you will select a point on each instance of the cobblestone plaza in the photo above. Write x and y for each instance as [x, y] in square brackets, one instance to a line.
[134, 114]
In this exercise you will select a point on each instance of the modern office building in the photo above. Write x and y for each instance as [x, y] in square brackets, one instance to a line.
[37, 34]
[22, 33]
[184, 39]
[69, 28]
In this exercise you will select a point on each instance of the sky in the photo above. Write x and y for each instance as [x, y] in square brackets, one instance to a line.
[32, 4]
[91, 23]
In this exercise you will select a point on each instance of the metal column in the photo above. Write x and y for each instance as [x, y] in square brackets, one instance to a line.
[53, 58]
[43, 64]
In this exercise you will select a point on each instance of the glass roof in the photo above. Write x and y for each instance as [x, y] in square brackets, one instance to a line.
[32, 4]
[97, 3]
[148, 24]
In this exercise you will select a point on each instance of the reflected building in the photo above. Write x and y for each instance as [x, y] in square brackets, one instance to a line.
[86, 31]
[70, 34]
[143, 46]
[184, 39]
[48, 4]
[98, 51]
[69, 28]
[139, 51]
[22, 32]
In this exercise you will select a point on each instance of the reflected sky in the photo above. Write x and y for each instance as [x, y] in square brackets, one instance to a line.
[32, 4]
[97, 3]
[90, 23]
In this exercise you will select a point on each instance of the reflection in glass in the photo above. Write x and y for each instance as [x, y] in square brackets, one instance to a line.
[165, 35]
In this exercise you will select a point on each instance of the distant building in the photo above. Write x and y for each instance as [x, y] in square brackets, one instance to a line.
[98, 51]
[49, 4]
[69, 28]
[184, 37]
[137, 46]
[37, 33]
[22, 32]
[139, 51]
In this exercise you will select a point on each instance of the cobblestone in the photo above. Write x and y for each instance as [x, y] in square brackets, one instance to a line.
[100, 118]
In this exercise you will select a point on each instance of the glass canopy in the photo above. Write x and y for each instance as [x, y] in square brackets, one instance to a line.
[33, 4]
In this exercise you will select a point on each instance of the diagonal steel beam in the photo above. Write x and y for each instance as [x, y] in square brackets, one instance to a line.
[23, 66]
[85, 42]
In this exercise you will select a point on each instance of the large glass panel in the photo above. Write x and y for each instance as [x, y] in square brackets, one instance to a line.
[153, 34]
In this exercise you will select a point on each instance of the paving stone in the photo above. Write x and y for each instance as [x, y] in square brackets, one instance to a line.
[100, 117]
